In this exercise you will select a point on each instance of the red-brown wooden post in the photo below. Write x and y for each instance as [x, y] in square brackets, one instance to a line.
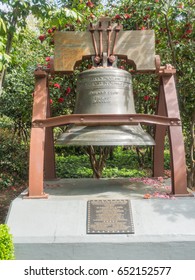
[49, 160]
[160, 132]
[37, 142]
[178, 162]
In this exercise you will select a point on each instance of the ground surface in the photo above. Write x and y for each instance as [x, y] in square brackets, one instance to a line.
[6, 197]
[9, 194]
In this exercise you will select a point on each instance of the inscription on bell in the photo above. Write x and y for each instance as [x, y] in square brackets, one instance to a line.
[102, 81]
[103, 92]
[89, 84]
[101, 99]
[109, 79]
[109, 83]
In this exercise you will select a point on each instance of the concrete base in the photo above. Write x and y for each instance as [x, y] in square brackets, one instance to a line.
[55, 228]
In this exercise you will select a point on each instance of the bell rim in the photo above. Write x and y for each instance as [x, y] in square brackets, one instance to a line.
[106, 136]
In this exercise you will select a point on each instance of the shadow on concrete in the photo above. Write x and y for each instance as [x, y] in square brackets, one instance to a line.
[123, 188]
[175, 209]
[104, 188]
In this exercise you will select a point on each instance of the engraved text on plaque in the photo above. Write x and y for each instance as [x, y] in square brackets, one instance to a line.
[109, 216]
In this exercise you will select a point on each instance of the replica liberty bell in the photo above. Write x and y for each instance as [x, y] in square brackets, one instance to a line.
[105, 89]
[105, 113]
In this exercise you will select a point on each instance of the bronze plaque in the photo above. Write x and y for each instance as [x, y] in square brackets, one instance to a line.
[109, 216]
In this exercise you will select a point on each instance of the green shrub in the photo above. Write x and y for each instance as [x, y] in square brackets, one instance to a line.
[123, 164]
[123, 172]
[167, 159]
[6, 244]
[73, 166]
[13, 158]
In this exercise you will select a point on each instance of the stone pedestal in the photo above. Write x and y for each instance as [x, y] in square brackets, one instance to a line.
[55, 228]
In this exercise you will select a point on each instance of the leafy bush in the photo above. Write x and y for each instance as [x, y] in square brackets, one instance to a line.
[6, 244]
[123, 163]
[73, 166]
[13, 159]
[123, 172]
[167, 160]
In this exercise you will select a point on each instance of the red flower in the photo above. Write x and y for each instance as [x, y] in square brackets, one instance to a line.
[42, 37]
[189, 31]
[122, 67]
[90, 4]
[143, 28]
[146, 97]
[68, 90]
[50, 31]
[180, 5]
[126, 16]
[132, 71]
[189, 25]
[54, 28]
[146, 17]
[51, 101]
[118, 17]
[61, 100]
[183, 36]
[47, 58]
[57, 85]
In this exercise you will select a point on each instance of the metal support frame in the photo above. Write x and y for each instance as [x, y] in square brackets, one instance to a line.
[168, 106]
[41, 143]
[42, 156]
[160, 132]
[49, 157]
[42, 162]
[106, 119]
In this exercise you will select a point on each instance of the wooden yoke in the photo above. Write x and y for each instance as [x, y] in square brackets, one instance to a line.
[37, 143]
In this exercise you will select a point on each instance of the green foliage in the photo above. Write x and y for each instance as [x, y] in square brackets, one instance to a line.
[123, 164]
[167, 160]
[73, 166]
[13, 158]
[2, 26]
[13, 15]
[4, 58]
[16, 99]
[17, 95]
[6, 244]
[116, 172]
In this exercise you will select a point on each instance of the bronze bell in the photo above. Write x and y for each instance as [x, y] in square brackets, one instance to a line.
[105, 91]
